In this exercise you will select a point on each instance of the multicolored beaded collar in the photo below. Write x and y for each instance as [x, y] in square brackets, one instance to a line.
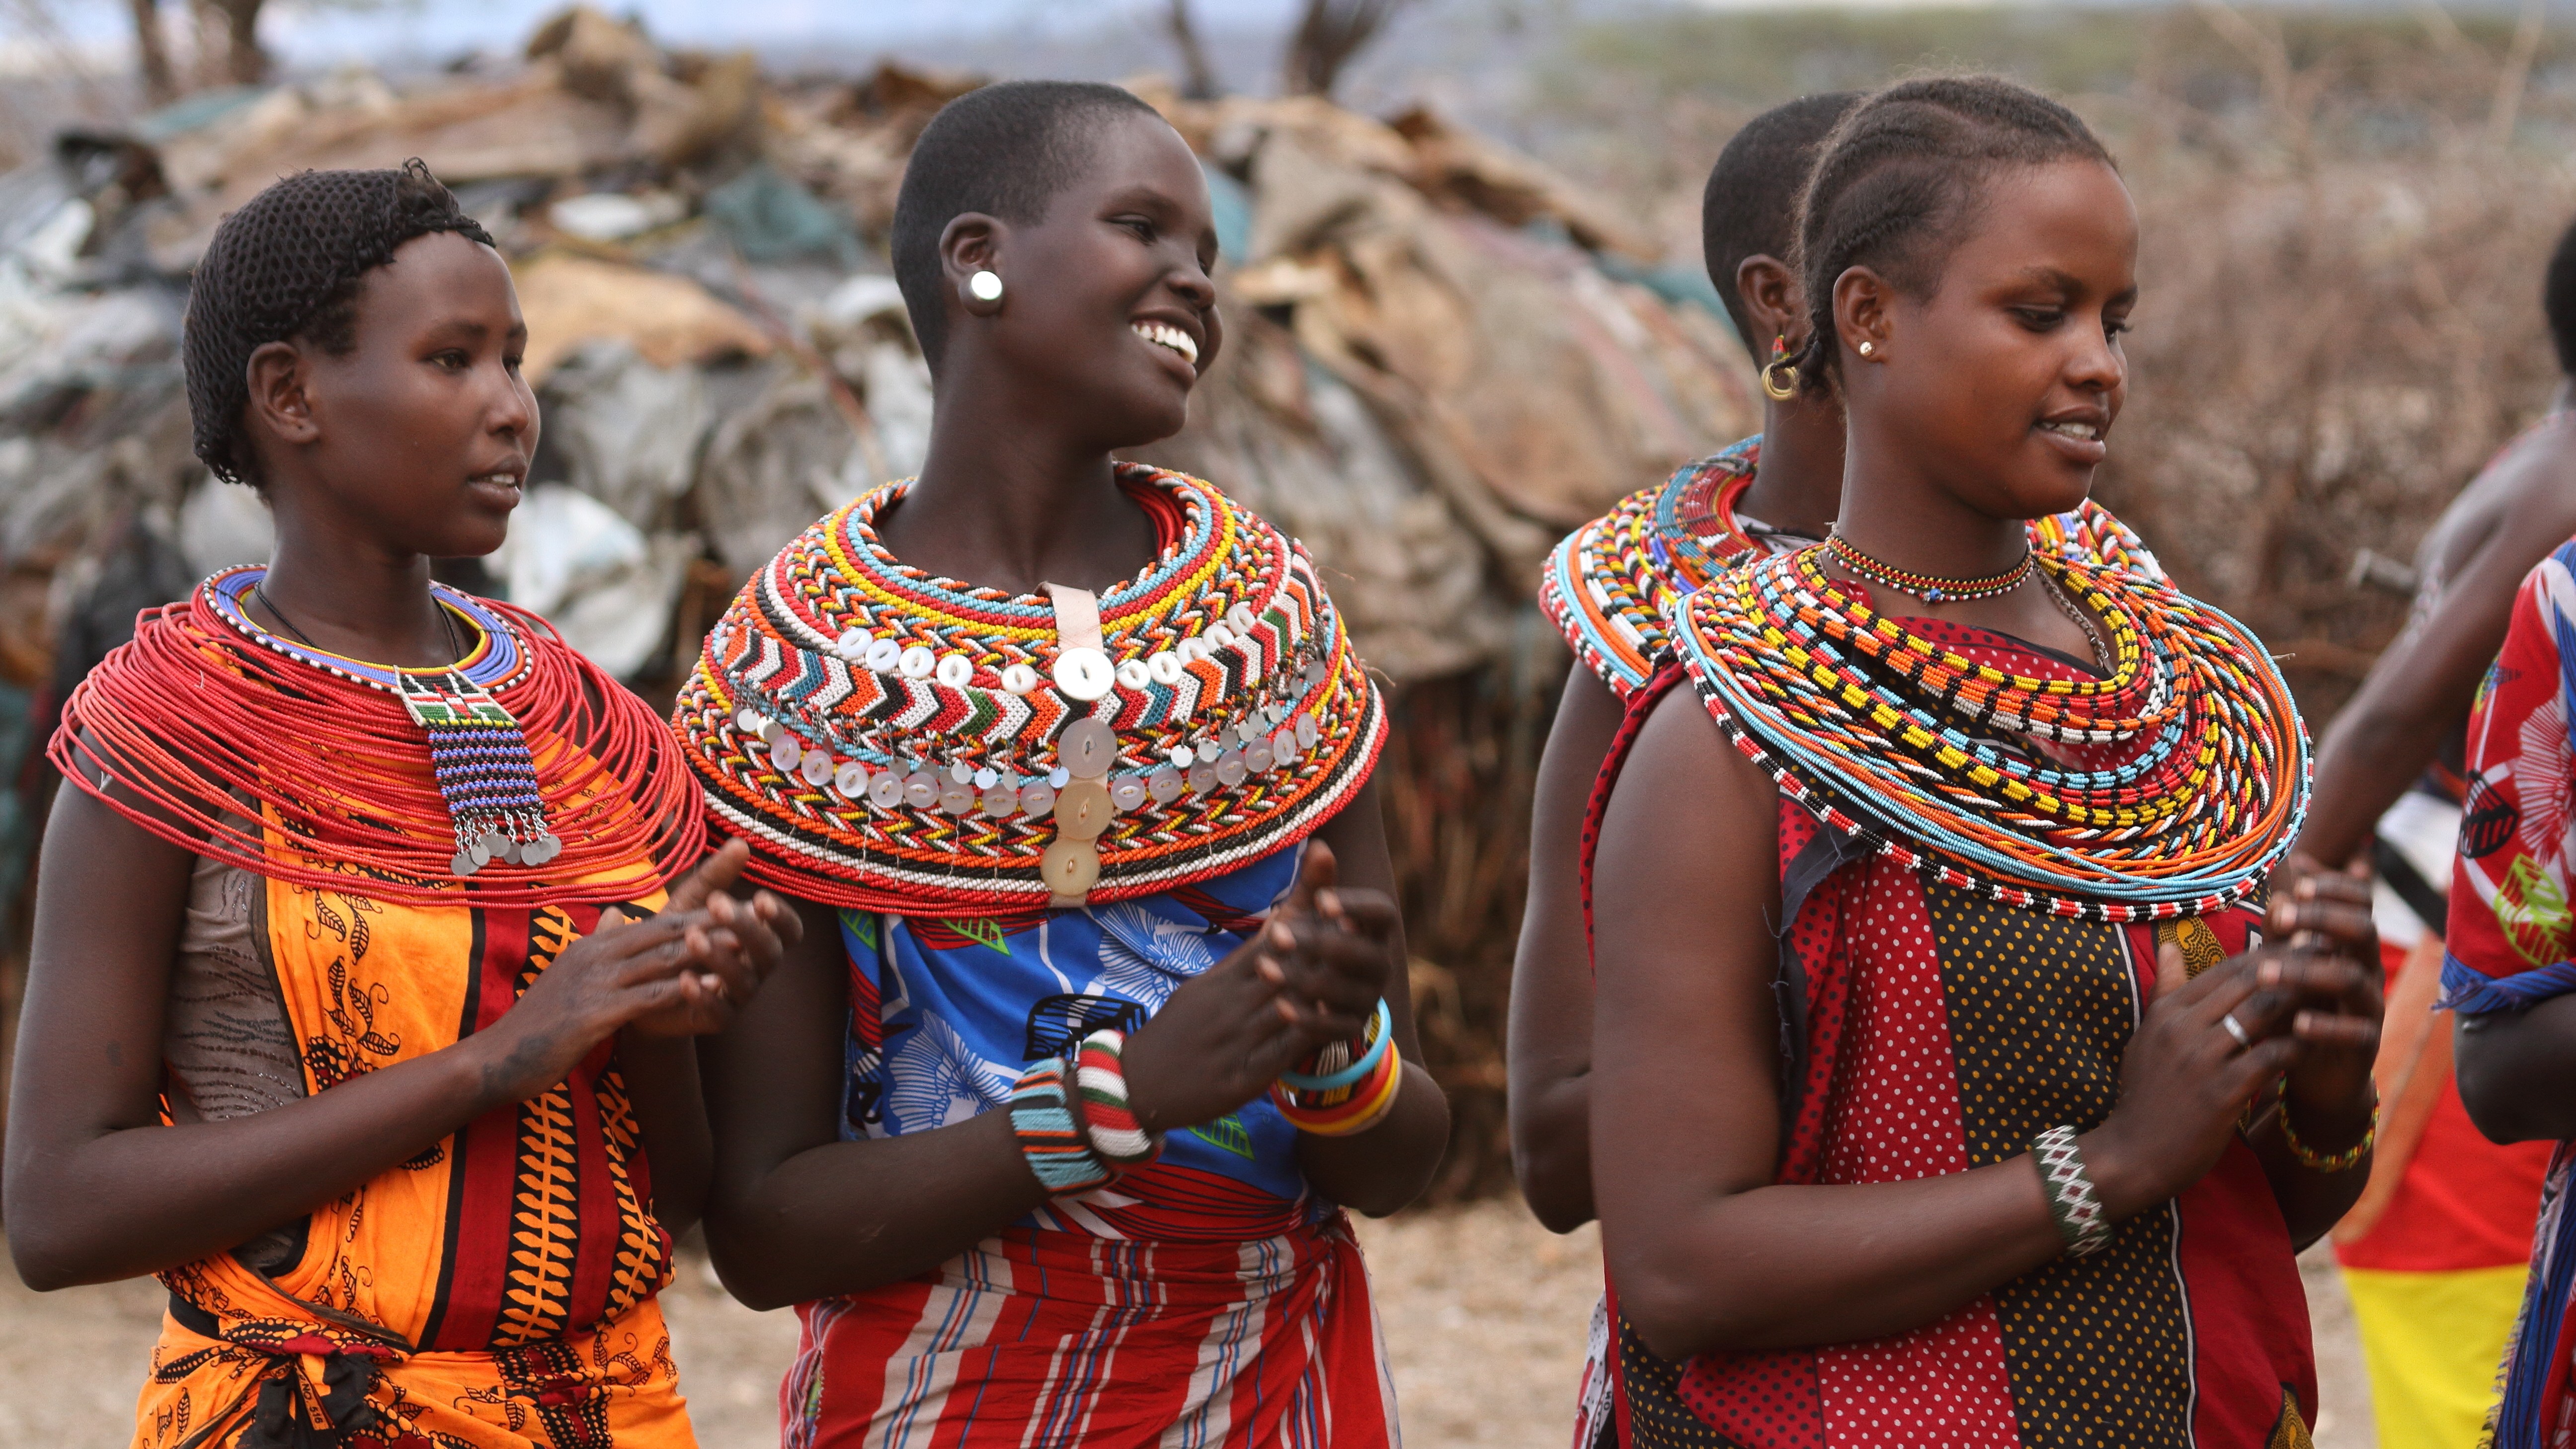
[294, 763]
[1607, 585]
[2191, 765]
[892, 741]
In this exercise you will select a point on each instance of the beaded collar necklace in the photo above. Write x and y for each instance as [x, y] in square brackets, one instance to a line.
[1606, 585]
[890, 740]
[301, 765]
[2187, 775]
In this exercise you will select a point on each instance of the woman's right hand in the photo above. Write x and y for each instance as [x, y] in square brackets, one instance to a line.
[681, 972]
[1226, 1034]
[2184, 1081]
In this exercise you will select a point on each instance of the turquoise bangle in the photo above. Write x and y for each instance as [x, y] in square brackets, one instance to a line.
[1357, 1070]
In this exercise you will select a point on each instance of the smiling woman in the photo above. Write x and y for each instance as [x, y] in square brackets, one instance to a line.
[2007, 1133]
[1048, 1126]
[338, 1018]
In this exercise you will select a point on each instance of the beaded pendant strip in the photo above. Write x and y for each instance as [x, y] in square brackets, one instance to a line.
[476, 749]
[892, 741]
[1608, 585]
[2189, 772]
[302, 766]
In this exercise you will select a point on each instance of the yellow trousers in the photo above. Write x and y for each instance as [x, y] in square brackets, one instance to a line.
[2433, 1342]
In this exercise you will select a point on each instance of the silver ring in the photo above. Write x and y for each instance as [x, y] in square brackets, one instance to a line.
[2236, 1029]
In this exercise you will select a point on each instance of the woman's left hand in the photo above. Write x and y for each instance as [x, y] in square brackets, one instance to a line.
[2326, 988]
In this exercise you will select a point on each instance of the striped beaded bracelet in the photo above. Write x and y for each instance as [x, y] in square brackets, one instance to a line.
[2071, 1203]
[1100, 1081]
[2327, 1162]
[1054, 1145]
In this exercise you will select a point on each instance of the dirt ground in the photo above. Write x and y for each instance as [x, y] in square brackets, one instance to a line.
[1483, 1309]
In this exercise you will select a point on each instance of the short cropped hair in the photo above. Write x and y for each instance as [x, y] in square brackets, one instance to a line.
[2558, 300]
[1750, 208]
[291, 263]
[1005, 150]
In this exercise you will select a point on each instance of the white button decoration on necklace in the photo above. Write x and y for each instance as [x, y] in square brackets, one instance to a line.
[1230, 768]
[1019, 678]
[772, 732]
[1164, 785]
[1256, 757]
[884, 654]
[1192, 650]
[749, 722]
[1135, 675]
[818, 767]
[917, 662]
[1165, 666]
[1242, 618]
[853, 646]
[1308, 732]
[1220, 636]
[955, 670]
[1203, 777]
[1037, 798]
[1001, 800]
[1127, 792]
[1083, 674]
[785, 752]
[886, 791]
[1087, 749]
[851, 779]
[957, 797]
[921, 789]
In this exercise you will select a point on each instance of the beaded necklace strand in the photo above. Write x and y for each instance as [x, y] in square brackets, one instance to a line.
[1930, 588]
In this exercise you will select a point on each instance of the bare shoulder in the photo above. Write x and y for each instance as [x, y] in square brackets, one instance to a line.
[2524, 505]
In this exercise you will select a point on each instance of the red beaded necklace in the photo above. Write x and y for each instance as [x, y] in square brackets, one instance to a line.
[230, 747]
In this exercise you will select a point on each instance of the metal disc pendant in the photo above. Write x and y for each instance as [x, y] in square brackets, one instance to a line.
[464, 864]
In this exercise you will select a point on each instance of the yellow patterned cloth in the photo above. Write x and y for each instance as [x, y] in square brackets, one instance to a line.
[496, 1291]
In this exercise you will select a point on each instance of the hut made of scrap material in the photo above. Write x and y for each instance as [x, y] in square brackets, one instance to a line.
[1441, 357]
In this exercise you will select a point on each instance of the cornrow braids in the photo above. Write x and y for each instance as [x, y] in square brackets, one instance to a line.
[293, 263]
[1901, 175]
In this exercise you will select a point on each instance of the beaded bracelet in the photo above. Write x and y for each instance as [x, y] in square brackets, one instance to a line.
[2327, 1162]
[1051, 1142]
[1326, 1068]
[1100, 1080]
[2071, 1203]
[1361, 1108]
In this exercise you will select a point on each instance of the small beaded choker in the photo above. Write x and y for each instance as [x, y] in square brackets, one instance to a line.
[1928, 588]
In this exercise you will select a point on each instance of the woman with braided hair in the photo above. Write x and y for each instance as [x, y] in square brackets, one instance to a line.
[341, 1017]
[1944, 885]
[1099, 1022]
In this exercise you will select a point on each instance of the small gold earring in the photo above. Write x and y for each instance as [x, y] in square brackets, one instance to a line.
[1868, 349]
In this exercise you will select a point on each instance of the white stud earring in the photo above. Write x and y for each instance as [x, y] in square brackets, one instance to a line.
[1868, 348]
[986, 286]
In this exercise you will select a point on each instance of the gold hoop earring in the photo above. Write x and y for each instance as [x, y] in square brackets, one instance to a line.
[1779, 368]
